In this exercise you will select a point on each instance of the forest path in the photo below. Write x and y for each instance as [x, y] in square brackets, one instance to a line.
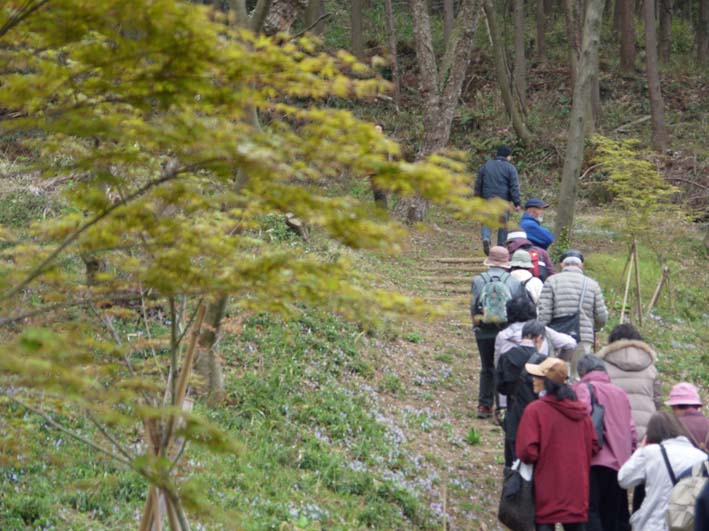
[428, 382]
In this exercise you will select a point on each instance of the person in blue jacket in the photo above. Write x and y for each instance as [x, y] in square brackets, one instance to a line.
[498, 178]
[532, 224]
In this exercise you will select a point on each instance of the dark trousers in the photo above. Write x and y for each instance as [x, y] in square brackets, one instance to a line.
[606, 510]
[486, 349]
[567, 527]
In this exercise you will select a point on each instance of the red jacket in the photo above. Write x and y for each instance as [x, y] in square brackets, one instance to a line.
[559, 439]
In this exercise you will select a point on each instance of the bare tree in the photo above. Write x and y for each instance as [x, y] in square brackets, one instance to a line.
[441, 84]
[448, 18]
[702, 35]
[541, 31]
[657, 104]
[520, 63]
[502, 74]
[356, 29]
[627, 34]
[664, 44]
[588, 62]
[393, 56]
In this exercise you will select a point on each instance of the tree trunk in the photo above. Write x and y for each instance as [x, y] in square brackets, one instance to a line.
[356, 29]
[520, 63]
[657, 105]
[312, 14]
[393, 55]
[588, 62]
[208, 364]
[282, 15]
[702, 37]
[627, 35]
[548, 7]
[541, 31]
[665, 35]
[501, 71]
[448, 19]
[440, 88]
[617, 10]
[573, 35]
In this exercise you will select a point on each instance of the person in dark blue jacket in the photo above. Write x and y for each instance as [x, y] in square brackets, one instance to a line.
[532, 224]
[498, 178]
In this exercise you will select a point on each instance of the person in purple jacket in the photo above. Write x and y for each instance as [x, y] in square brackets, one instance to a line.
[686, 405]
[608, 502]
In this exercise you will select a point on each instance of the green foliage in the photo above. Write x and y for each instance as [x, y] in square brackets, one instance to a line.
[473, 437]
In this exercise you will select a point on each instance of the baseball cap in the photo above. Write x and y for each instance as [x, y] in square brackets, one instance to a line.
[552, 368]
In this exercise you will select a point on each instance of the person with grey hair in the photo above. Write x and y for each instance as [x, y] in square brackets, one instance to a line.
[572, 292]
[608, 507]
[514, 382]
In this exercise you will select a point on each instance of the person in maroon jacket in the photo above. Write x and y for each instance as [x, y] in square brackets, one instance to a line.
[686, 405]
[557, 436]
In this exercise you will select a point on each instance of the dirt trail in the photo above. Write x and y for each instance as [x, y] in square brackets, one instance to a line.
[437, 366]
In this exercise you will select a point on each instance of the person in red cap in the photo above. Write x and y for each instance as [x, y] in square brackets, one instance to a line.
[685, 403]
[557, 436]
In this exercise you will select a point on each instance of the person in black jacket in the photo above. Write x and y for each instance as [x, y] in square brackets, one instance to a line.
[514, 381]
[498, 178]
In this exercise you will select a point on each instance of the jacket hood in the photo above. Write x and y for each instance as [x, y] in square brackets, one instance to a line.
[628, 354]
[516, 244]
[596, 376]
[572, 409]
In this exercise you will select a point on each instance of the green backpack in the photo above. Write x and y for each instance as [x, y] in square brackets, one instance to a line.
[491, 304]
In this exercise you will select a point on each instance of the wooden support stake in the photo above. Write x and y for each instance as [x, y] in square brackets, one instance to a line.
[622, 275]
[637, 284]
[627, 287]
[658, 289]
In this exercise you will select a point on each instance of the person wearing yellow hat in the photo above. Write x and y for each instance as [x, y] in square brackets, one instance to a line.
[557, 436]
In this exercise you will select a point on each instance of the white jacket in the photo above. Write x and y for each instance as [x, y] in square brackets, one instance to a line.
[534, 285]
[647, 466]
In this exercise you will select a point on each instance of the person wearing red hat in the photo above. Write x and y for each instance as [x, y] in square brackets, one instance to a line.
[685, 403]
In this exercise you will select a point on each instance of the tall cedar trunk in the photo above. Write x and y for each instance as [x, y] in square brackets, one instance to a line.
[313, 13]
[393, 55]
[541, 31]
[627, 35]
[664, 44]
[702, 38]
[520, 64]
[657, 105]
[588, 62]
[448, 19]
[440, 90]
[356, 29]
[501, 72]
[282, 14]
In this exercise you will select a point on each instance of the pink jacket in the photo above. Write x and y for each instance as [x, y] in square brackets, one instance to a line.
[620, 437]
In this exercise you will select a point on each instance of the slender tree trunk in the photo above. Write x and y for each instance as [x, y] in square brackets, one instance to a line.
[627, 35]
[356, 27]
[393, 55]
[541, 32]
[548, 7]
[657, 104]
[702, 36]
[208, 364]
[573, 35]
[440, 87]
[617, 9]
[448, 18]
[282, 14]
[314, 11]
[665, 35]
[501, 71]
[520, 63]
[588, 61]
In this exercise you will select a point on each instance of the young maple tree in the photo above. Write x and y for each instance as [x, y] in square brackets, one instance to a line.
[145, 108]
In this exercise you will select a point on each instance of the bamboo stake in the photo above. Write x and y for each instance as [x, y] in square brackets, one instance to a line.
[637, 284]
[622, 275]
[627, 288]
[658, 290]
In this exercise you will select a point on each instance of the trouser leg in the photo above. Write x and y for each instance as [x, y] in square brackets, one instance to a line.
[579, 526]
[502, 231]
[613, 501]
[594, 507]
[486, 232]
[486, 349]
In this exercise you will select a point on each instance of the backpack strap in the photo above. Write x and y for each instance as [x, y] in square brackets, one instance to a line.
[583, 293]
[594, 401]
[668, 465]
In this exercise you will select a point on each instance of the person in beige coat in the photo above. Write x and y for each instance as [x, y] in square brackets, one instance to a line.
[564, 293]
[630, 363]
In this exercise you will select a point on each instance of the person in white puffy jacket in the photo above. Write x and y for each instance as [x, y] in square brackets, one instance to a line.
[647, 465]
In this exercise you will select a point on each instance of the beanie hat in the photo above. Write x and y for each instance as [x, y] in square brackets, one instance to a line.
[503, 151]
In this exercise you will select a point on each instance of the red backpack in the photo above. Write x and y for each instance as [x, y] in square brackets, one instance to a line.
[534, 254]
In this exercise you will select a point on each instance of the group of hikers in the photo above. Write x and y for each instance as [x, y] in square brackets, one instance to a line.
[590, 424]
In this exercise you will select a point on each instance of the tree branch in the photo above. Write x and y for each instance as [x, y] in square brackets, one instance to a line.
[259, 14]
[306, 30]
[110, 437]
[20, 15]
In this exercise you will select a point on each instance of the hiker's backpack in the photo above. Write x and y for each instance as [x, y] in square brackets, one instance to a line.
[530, 297]
[598, 413]
[491, 304]
[683, 498]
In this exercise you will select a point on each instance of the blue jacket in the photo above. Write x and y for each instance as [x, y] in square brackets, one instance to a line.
[498, 178]
[538, 235]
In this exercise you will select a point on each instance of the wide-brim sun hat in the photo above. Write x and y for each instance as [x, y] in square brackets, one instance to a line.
[684, 394]
[499, 257]
[522, 258]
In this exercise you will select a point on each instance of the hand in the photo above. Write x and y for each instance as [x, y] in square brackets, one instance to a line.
[517, 207]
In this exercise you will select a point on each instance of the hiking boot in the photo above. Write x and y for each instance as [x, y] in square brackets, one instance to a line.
[486, 247]
[484, 412]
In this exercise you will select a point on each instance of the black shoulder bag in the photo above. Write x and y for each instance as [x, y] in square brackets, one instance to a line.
[571, 324]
